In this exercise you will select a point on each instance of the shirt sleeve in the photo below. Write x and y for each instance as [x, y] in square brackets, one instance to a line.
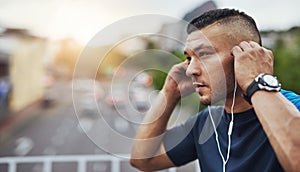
[179, 143]
[292, 97]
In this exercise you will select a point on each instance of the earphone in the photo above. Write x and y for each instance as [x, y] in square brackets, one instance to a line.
[229, 129]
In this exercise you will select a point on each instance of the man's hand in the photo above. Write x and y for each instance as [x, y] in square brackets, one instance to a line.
[148, 153]
[177, 83]
[250, 59]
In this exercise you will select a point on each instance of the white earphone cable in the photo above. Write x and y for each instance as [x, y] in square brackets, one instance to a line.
[229, 130]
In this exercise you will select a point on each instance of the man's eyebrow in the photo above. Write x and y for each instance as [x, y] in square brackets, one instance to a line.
[202, 46]
[197, 48]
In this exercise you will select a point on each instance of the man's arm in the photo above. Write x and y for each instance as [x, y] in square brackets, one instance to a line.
[148, 153]
[279, 117]
[281, 122]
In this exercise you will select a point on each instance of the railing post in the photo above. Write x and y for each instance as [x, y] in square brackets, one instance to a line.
[81, 165]
[197, 166]
[12, 166]
[47, 165]
[172, 170]
[115, 165]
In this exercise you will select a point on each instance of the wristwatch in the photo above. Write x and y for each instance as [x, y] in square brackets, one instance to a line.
[262, 82]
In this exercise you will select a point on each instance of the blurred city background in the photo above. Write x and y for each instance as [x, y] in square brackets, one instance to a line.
[73, 96]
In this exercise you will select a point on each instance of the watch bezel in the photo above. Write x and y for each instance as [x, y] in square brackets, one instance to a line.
[259, 84]
[263, 84]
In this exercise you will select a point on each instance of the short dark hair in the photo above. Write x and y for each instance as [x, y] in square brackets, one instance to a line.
[223, 16]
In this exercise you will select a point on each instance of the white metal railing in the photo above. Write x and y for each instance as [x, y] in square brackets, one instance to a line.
[80, 159]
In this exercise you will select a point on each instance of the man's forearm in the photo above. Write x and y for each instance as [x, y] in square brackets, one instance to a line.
[150, 134]
[281, 122]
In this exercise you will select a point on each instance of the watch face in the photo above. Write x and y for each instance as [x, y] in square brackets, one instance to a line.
[271, 80]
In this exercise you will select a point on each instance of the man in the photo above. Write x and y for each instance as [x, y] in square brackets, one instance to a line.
[257, 129]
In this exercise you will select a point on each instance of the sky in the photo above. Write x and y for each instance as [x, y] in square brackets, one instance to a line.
[81, 19]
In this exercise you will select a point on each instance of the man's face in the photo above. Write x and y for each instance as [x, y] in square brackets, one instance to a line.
[208, 52]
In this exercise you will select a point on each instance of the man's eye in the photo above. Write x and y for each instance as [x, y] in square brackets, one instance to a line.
[203, 54]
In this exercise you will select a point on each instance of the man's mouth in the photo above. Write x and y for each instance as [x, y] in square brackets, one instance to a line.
[199, 86]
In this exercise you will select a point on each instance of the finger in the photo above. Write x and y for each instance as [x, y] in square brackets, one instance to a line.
[186, 63]
[182, 66]
[254, 44]
[245, 45]
[236, 50]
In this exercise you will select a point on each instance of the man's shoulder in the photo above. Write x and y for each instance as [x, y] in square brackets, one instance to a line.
[292, 97]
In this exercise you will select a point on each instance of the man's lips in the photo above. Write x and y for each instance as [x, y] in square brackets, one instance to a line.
[199, 86]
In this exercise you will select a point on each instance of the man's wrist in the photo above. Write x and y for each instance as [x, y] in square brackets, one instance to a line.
[171, 94]
[263, 81]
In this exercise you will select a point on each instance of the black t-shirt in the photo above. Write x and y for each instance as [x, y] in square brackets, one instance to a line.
[195, 139]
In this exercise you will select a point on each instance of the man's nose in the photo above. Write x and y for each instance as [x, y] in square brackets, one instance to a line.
[194, 68]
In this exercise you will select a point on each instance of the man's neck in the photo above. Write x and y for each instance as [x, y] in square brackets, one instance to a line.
[240, 104]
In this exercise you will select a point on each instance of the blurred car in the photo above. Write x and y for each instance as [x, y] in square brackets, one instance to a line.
[139, 98]
[5, 91]
[139, 92]
[48, 99]
[116, 99]
[87, 93]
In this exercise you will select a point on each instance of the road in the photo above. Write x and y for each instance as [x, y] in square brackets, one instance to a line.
[63, 129]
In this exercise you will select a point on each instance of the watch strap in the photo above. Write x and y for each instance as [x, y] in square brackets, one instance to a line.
[253, 87]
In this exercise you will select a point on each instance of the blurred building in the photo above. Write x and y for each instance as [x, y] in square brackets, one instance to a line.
[98, 61]
[65, 54]
[21, 69]
[176, 32]
[271, 38]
